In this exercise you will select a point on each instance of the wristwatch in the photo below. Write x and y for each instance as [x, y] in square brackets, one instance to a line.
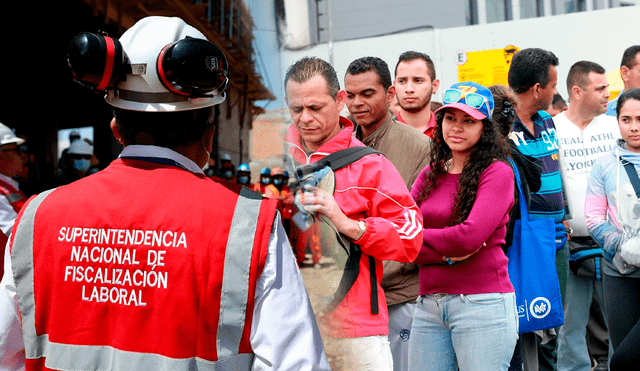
[363, 227]
[569, 230]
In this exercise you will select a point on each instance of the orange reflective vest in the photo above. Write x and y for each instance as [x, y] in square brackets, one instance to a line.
[267, 190]
[122, 271]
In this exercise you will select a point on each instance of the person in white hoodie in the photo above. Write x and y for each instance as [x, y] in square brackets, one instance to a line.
[612, 217]
[585, 133]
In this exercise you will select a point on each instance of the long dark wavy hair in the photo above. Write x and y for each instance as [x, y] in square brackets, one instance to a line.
[491, 147]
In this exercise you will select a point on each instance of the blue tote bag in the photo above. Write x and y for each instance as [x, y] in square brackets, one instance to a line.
[532, 269]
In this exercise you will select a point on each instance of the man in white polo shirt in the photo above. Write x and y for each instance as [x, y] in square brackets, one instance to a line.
[585, 132]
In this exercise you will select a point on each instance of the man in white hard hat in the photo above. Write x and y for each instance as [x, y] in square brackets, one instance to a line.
[11, 163]
[73, 136]
[150, 264]
[75, 164]
[11, 198]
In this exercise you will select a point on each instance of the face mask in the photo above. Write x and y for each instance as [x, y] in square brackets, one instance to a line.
[82, 164]
[243, 180]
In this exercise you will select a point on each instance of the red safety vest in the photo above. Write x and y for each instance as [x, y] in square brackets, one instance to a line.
[132, 269]
[16, 197]
[3, 243]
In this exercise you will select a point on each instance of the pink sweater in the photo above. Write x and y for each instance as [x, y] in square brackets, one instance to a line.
[486, 270]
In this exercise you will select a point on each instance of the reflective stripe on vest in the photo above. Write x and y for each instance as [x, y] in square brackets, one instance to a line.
[233, 305]
[235, 281]
[15, 197]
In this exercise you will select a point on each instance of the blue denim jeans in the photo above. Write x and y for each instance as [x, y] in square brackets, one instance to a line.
[470, 332]
[573, 354]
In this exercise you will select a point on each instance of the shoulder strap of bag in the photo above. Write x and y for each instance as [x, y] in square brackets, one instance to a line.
[347, 156]
[349, 276]
[524, 212]
[633, 175]
[335, 161]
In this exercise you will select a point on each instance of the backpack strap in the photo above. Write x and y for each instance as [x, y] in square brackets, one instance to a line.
[374, 285]
[633, 175]
[335, 161]
[349, 276]
[347, 156]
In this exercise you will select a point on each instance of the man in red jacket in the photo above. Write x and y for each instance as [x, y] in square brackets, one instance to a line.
[371, 207]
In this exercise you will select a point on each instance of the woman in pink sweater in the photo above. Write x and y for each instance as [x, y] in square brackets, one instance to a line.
[466, 315]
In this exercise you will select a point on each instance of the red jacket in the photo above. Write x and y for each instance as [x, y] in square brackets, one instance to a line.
[370, 189]
[128, 267]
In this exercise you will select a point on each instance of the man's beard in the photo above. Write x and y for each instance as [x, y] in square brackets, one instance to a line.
[541, 105]
[417, 109]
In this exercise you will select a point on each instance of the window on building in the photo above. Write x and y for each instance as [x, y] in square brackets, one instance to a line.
[571, 6]
[498, 10]
[471, 12]
[531, 8]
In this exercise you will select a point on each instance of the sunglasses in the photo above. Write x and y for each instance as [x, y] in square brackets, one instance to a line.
[17, 149]
[473, 100]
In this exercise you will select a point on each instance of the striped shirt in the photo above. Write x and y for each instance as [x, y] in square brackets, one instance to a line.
[547, 202]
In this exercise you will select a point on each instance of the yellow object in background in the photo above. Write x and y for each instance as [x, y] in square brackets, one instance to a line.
[615, 83]
[486, 67]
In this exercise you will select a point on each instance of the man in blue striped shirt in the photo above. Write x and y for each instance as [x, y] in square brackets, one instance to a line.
[533, 77]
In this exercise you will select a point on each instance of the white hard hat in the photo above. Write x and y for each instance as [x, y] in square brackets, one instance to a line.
[142, 90]
[7, 136]
[80, 147]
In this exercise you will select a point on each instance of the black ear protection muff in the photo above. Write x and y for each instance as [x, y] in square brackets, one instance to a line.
[97, 61]
[193, 67]
[189, 67]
